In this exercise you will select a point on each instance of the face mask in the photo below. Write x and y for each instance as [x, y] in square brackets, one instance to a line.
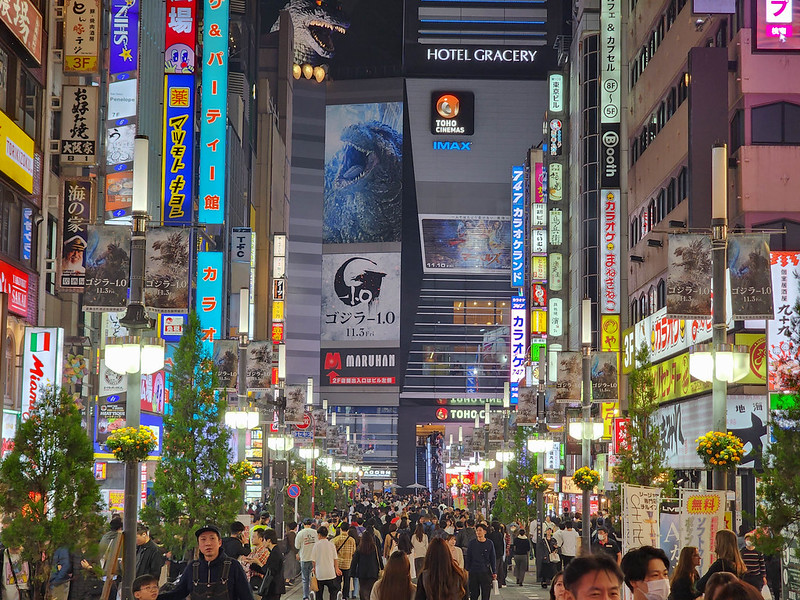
[749, 544]
[657, 589]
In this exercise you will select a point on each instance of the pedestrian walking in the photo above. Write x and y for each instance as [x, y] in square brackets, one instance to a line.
[366, 565]
[395, 584]
[522, 547]
[441, 579]
[550, 558]
[568, 543]
[685, 575]
[60, 574]
[16, 575]
[326, 564]
[481, 564]
[458, 553]
[304, 542]
[345, 546]
[272, 580]
[756, 574]
[255, 561]
[498, 539]
[419, 545]
[291, 562]
[149, 557]
[728, 558]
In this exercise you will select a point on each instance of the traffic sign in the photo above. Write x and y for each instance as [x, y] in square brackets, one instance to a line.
[306, 421]
[293, 490]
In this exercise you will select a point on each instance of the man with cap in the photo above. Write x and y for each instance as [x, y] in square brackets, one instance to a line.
[216, 576]
[304, 542]
[605, 544]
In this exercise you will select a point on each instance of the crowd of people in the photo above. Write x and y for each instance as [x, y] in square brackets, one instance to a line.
[385, 548]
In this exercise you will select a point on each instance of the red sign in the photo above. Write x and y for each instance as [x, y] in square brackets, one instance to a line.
[277, 333]
[306, 421]
[25, 22]
[14, 282]
[620, 433]
[181, 32]
[441, 414]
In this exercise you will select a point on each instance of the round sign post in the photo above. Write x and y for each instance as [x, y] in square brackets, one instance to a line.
[293, 491]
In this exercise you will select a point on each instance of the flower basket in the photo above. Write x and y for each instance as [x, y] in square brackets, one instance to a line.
[586, 478]
[475, 487]
[720, 450]
[335, 485]
[502, 484]
[242, 470]
[538, 483]
[486, 486]
[130, 444]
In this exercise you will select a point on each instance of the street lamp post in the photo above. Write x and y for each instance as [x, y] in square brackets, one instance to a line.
[241, 380]
[586, 410]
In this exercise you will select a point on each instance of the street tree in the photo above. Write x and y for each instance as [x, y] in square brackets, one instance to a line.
[48, 494]
[193, 484]
[517, 500]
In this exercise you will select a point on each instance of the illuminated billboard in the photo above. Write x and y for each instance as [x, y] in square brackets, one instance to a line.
[178, 158]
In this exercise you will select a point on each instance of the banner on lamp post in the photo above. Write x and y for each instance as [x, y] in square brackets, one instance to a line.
[166, 272]
[259, 366]
[604, 377]
[750, 276]
[567, 378]
[226, 358]
[689, 275]
[107, 268]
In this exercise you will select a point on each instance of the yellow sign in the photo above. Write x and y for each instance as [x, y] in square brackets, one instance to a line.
[608, 410]
[16, 153]
[539, 321]
[277, 310]
[609, 333]
[538, 268]
[757, 345]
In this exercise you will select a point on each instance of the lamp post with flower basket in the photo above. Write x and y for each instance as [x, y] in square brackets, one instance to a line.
[720, 451]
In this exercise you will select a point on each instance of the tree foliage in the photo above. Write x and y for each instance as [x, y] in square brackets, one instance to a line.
[48, 494]
[193, 485]
[324, 494]
[517, 501]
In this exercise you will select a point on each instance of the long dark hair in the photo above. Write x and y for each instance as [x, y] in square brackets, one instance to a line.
[396, 581]
[404, 543]
[685, 567]
[442, 577]
[367, 545]
[420, 532]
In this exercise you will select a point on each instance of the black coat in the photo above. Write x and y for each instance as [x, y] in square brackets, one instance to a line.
[274, 565]
[365, 566]
[149, 559]
[85, 584]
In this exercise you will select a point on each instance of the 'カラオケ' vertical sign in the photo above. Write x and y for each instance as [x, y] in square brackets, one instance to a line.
[209, 295]
[214, 112]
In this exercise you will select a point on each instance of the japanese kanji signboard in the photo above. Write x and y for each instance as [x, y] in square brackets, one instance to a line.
[609, 252]
[79, 124]
[81, 35]
[178, 158]
[782, 352]
[25, 22]
[179, 41]
[77, 211]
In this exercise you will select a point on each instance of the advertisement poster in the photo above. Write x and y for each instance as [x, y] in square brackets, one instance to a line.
[42, 364]
[10, 420]
[465, 244]
[226, 358]
[320, 424]
[358, 366]
[782, 352]
[156, 424]
[604, 376]
[166, 272]
[363, 173]
[79, 124]
[259, 366]
[640, 505]
[689, 275]
[361, 297]
[295, 404]
[111, 382]
[567, 378]
[179, 40]
[750, 277]
[527, 405]
[702, 514]
[124, 47]
[107, 268]
[670, 535]
[153, 393]
[77, 211]
[176, 205]
[109, 417]
[777, 25]
[119, 191]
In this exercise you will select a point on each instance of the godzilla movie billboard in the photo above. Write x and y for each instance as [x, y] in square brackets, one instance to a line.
[363, 173]
[465, 243]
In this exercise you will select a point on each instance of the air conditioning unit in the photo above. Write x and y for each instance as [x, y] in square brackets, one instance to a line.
[55, 103]
[54, 147]
[58, 55]
[59, 13]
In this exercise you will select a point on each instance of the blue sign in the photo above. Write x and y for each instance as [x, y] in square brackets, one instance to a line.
[178, 165]
[27, 233]
[459, 146]
[172, 325]
[293, 491]
[214, 113]
[517, 227]
[209, 295]
[124, 44]
[156, 424]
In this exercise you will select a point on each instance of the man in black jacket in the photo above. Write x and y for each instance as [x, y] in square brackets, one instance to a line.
[237, 544]
[214, 575]
[149, 558]
[499, 542]
[481, 564]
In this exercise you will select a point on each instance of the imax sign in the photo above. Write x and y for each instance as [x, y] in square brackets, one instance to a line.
[459, 146]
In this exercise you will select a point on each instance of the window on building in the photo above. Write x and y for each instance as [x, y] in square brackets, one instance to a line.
[52, 254]
[661, 294]
[683, 88]
[683, 185]
[644, 225]
[776, 124]
[672, 195]
[661, 205]
[10, 224]
[634, 231]
[652, 299]
[480, 312]
[643, 306]
[671, 14]
[652, 215]
[737, 130]
[672, 102]
[634, 151]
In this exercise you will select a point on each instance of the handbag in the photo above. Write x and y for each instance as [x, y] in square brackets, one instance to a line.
[554, 557]
[314, 584]
[266, 582]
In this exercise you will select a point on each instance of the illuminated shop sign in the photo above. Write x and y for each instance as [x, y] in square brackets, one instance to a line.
[124, 44]
[458, 146]
[42, 364]
[492, 55]
[178, 149]
[777, 25]
[519, 336]
[556, 142]
[611, 155]
[209, 294]
[609, 252]
[179, 40]
[556, 83]
[452, 113]
[15, 283]
[25, 22]
[610, 60]
[214, 112]
[517, 226]
[81, 35]
[16, 153]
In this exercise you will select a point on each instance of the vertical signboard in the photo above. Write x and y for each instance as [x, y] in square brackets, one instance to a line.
[609, 252]
[178, 146]
[517, 227]
[209, 294]
[81, 35]
[76, 213]
[79, 124]
[782, 352]
[124, 51]
[42, 364]
[25, 22]
[214, 112]
[610, 61]
[556, 86]
[519, 345]
[179, 40]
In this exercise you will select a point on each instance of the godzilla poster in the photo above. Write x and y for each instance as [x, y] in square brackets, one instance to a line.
[689, 276]
[363, 173]
[107, 268]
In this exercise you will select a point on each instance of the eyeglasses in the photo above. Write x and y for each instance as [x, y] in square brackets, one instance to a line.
[151, 587]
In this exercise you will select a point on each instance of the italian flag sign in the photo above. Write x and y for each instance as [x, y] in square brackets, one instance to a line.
[40, 342]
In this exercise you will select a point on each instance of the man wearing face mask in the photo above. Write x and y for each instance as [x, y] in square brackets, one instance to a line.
[607, 545]
[646, 571]
[756, 574]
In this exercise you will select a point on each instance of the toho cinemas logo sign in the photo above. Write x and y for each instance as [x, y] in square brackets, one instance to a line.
[367, 366]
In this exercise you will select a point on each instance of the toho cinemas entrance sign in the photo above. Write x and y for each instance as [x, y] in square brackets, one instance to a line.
[42, 364]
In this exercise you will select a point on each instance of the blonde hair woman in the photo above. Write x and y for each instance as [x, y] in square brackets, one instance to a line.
[728, 558]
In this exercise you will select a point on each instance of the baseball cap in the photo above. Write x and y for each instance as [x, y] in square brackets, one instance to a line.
[207, 528]
[308, 521]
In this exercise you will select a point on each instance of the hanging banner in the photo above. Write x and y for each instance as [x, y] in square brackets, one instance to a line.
[782, 352]
[152, 393]
[178, 166]
[670, 535]
[295, 405]
[209, 294]
[609, 252]
[166, 272]
[109, 417]
[214, 112]
[42, 364]
[640, 505]
[689, 275]
[750, 276]
[226, 358]
[124, 39]
[527, 405]
[567, 377]
[111, 382]
[179, 40]
[81, 35]
[77, 211]
[259, 366]
[604, 377]
[702, 515]
[107, 268]
[79, 124]
[320, 424]
[517, 227]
